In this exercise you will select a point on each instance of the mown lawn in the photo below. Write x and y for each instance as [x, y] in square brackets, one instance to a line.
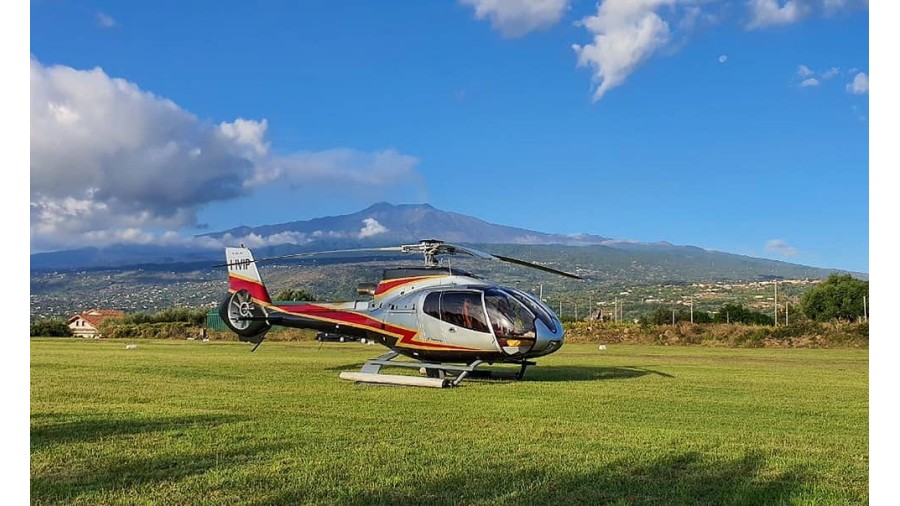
[190, 422]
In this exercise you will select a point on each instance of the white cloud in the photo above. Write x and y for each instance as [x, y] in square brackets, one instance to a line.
[723, 58]
[110, 162]
[811, 81]
[808, 77]
[780, 247]
[803, 71]
[514, 18]
[833, 71]
[105, 20]
[765, 13]
[859, 85]
[625, 34]
[247, 133]
[371, 227]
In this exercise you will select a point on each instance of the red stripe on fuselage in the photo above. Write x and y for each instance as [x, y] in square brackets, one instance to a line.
[386, 286]
[405, 337]
[256, 289]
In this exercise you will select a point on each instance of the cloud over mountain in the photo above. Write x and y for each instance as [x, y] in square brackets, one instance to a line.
[111, 162]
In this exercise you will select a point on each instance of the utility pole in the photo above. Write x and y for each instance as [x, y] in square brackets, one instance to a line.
[776, 302]
[616, 310]
[541, 294]
[787, 310]
[576, 311]
[865, 312]
[673, 317]
[692, 309]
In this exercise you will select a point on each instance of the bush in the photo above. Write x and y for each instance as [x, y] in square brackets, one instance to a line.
[192, 316]
[53, 327]
[663, 316]
[166, 330]
[800, 334]
[736, 313]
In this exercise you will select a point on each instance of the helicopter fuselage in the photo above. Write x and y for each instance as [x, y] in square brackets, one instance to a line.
[430, 314]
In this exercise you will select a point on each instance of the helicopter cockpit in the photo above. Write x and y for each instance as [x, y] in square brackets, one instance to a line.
[516, 320]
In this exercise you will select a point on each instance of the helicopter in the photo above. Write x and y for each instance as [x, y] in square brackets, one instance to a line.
[448, 321]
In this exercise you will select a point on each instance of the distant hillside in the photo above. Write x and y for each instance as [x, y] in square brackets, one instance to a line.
[386, 224]
[407, 223]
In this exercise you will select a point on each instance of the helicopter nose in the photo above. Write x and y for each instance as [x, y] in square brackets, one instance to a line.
[546, 340]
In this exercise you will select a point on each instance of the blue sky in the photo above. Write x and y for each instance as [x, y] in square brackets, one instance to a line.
[737, 126]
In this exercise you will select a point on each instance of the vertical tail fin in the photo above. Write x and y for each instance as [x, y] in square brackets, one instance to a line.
[243, 274]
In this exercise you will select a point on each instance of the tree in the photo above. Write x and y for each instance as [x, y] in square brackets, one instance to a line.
[296, 294]
[53, 327]
[840, 297]
[736, 313]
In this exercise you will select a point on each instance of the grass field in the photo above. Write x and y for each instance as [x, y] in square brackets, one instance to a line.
[210, 423]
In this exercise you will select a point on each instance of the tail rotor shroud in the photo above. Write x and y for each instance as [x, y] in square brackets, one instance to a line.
[244, 317]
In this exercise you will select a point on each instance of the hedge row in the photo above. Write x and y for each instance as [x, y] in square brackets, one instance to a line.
[808, 334]
[803, 334]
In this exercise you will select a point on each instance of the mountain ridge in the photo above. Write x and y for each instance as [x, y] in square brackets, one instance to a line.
[411, 223]
[380, 224]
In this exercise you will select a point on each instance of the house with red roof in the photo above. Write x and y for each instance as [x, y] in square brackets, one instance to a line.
[87, 324]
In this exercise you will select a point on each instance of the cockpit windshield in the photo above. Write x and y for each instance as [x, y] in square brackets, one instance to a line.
[537, 307]
[510, 319]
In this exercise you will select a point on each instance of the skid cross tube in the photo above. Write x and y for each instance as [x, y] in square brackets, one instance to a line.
[454, 374]
[432, 369]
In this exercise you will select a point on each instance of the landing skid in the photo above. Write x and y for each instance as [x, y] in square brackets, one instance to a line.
[438, 375]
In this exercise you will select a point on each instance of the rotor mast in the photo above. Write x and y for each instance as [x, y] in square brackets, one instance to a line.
[430, 249]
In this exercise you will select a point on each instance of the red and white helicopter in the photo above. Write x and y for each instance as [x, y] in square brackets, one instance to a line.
[447, 320]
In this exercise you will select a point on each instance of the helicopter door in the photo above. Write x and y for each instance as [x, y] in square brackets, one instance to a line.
[511, 321]
[458, 318]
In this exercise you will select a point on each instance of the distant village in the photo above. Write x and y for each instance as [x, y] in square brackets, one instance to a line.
[758, 295]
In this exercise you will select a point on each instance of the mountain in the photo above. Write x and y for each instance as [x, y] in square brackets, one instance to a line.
[379, 225]
[152, 278]
[121, 255]
[386, 224]
[407, 223]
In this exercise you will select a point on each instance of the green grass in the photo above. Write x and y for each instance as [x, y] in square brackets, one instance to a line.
[190, 422]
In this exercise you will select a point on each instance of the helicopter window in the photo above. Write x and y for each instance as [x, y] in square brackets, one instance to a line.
[536, 307]
[512, 321]
[463, 309]
[432, 306]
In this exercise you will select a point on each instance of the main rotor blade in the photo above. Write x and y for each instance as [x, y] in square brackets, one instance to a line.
[470, 251]
[314, 253]
[537, 266]
[490, 256]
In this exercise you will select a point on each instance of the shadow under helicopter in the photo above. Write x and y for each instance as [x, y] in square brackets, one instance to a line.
[541, 373]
